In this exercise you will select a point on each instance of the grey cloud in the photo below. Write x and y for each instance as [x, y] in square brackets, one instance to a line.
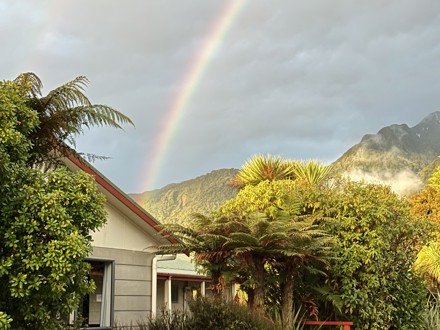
[303, 79]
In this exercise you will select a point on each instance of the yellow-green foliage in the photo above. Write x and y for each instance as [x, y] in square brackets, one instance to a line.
[261, 168]
[435, 179]
[425, 208]
[376, 247]
[428, 262]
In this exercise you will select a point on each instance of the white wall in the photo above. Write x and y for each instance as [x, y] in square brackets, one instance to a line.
[121, 233]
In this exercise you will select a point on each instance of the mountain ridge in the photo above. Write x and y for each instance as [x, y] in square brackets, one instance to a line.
[395, 147]
[396, 153]
[176, 202]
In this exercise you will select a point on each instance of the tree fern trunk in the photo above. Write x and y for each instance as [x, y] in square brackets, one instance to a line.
[260, 273]
[287, 296]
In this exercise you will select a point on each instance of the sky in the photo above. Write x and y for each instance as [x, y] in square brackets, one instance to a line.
[209, 84]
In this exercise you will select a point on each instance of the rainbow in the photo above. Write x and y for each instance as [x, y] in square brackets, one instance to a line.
[192, 79]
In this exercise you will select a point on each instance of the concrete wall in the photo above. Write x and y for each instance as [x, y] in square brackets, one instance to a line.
[132, 283]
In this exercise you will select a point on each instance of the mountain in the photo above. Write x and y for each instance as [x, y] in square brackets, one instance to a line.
[178, 201]
[396, 153]
[399, 155]
[395, 148]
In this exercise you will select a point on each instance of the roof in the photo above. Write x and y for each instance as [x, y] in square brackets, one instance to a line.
[118, 195]
[182, 267]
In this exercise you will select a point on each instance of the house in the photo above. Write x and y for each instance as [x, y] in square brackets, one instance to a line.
[132, 282]
[179, 281]
[123, 267]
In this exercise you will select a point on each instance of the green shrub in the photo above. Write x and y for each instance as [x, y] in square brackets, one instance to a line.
[175, 320]
[214, 314]
[5, 321]
[209, 314]
[432, 312]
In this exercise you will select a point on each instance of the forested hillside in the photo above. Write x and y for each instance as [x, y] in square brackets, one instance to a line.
[398, 155]
[177, 202]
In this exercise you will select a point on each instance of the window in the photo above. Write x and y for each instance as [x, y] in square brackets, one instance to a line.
[174, 294]
[95, 308]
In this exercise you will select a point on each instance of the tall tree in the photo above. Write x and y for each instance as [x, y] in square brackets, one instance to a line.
[46, 220]
[63, 114]
[264, 226]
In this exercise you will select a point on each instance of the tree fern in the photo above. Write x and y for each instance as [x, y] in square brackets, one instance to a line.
[64, 113]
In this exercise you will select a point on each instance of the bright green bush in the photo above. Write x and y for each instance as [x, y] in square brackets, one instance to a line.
[376, 247]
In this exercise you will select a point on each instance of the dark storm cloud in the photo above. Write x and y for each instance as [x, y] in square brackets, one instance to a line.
[301, 79]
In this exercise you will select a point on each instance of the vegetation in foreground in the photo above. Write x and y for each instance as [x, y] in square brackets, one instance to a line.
[297, 237]
[214, 314]
[46, 211]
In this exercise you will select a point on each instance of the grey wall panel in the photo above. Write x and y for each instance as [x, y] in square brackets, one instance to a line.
[132, 288]
[132, 283]
[132, 303]
[133, 272]
[131, 318]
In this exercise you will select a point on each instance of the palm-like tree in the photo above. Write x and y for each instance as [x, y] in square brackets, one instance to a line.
[428, 263]
[284, 243]
[204, 239]
[63, 114]
[311, 172]
[260, 168]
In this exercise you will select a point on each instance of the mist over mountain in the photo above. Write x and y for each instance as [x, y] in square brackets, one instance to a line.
[395, 148]
[398, 155]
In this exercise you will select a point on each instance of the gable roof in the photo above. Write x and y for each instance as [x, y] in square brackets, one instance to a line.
[117, 196]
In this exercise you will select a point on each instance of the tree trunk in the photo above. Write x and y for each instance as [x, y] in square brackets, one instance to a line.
[259, 294]
[251, 297]
[287, 297]
[217, 284]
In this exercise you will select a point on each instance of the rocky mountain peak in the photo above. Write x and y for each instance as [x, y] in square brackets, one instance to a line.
[432, 119]
[395, 148]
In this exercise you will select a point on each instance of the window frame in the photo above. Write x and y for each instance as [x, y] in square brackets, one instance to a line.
[112, 290]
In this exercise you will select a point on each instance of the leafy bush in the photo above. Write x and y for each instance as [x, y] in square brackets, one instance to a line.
[175, 320]
[209, 314]
[5, 321]
[377, 245]
[214, 314]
